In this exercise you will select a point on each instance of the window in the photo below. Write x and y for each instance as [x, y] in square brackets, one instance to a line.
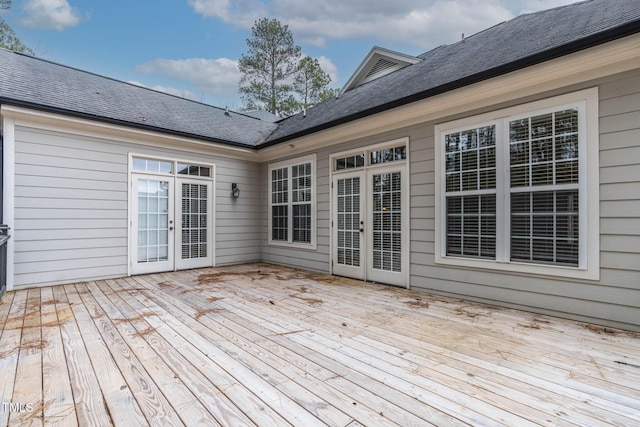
[291, 202]
[517, 189]
[379, 154]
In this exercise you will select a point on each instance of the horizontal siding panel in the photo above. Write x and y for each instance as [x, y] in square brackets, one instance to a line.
[66, 244]
[620, 191]
[620, 122]
[43, 192]
[620, 157]
[621, 279]
[231, 223]
[620, 104]
[227, 250]
[246, 236]
[237, 215]
[620, 260]
[621, 139]
[70, 224]
[418, 189]
[314, 265]
[66, 139]
[54, 161]
[70, 183]
[620, 226]
[69, 264]
[80, 152]
[620, 209]
[69, 214]
[90, 233]
[620, 174]
[65, 254]
[70, 173]
[70, 276]
[617, 87]
[222, 259]
[70, 204]
[620, 243]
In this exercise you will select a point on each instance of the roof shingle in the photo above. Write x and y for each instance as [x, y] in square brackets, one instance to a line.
[25, 80]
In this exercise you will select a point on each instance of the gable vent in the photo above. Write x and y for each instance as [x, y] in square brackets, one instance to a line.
[381, 65]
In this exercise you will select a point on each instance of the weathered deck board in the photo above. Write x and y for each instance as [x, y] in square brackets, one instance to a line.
[90, 406]
[59, 407]
[263, 345]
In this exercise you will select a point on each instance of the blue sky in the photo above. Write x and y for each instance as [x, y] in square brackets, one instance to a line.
[191, 47]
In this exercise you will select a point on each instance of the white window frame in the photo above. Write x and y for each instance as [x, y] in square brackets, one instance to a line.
[588, 187]
[289, 164]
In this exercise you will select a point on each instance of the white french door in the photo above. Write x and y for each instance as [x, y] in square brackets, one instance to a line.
[153, 233]
[194, 224]
[172, 224]
[370, 225]
[348, 225]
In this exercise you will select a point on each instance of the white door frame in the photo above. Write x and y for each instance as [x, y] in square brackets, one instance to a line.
[366, 173]
[175, 179]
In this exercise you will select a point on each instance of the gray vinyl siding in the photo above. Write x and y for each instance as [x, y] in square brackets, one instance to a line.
[71, 209]
[613, 300]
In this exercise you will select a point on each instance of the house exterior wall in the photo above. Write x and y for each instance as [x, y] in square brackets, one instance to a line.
[71, 206]
[614, 299]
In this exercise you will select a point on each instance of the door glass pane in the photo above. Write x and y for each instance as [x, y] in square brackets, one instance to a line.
[194, 221]
[153, 220]
[348, 244]
[387, 223]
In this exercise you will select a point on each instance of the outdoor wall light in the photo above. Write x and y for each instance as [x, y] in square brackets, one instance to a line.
[235, 191]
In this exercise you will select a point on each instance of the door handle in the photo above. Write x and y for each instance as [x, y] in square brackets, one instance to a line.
[170, 228]
[362, 230]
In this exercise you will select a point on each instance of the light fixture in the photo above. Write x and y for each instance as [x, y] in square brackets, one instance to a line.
[235, 191]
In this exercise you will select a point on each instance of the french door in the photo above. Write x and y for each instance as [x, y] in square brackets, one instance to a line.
[171, 224]
[369, 225]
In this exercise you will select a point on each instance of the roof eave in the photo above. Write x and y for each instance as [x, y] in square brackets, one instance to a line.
[111, 121]
[538, 58]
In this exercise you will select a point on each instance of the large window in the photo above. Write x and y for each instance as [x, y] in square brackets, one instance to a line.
[292, 202]
[517, 189]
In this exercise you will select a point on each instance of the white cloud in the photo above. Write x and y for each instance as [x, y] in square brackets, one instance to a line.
[241, 13]
[215, 76]
[329, 68]
[425, 23]
[50, 14]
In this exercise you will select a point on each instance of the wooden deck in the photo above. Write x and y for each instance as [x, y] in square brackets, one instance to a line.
[263, 345]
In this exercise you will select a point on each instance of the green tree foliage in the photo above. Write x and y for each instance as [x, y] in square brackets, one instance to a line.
[8, 38]
[268, 67]
[310, 82]
[274, 78]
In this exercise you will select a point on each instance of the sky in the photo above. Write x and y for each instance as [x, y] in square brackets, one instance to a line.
[190, 48]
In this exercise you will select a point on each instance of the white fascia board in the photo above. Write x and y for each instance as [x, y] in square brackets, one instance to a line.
[95, 129]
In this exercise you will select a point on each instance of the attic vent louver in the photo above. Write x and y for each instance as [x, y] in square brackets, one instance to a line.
[381, 65]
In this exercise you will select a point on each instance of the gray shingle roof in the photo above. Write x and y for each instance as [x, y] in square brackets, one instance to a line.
[38, 83]
[520, 42]
[515, 44]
